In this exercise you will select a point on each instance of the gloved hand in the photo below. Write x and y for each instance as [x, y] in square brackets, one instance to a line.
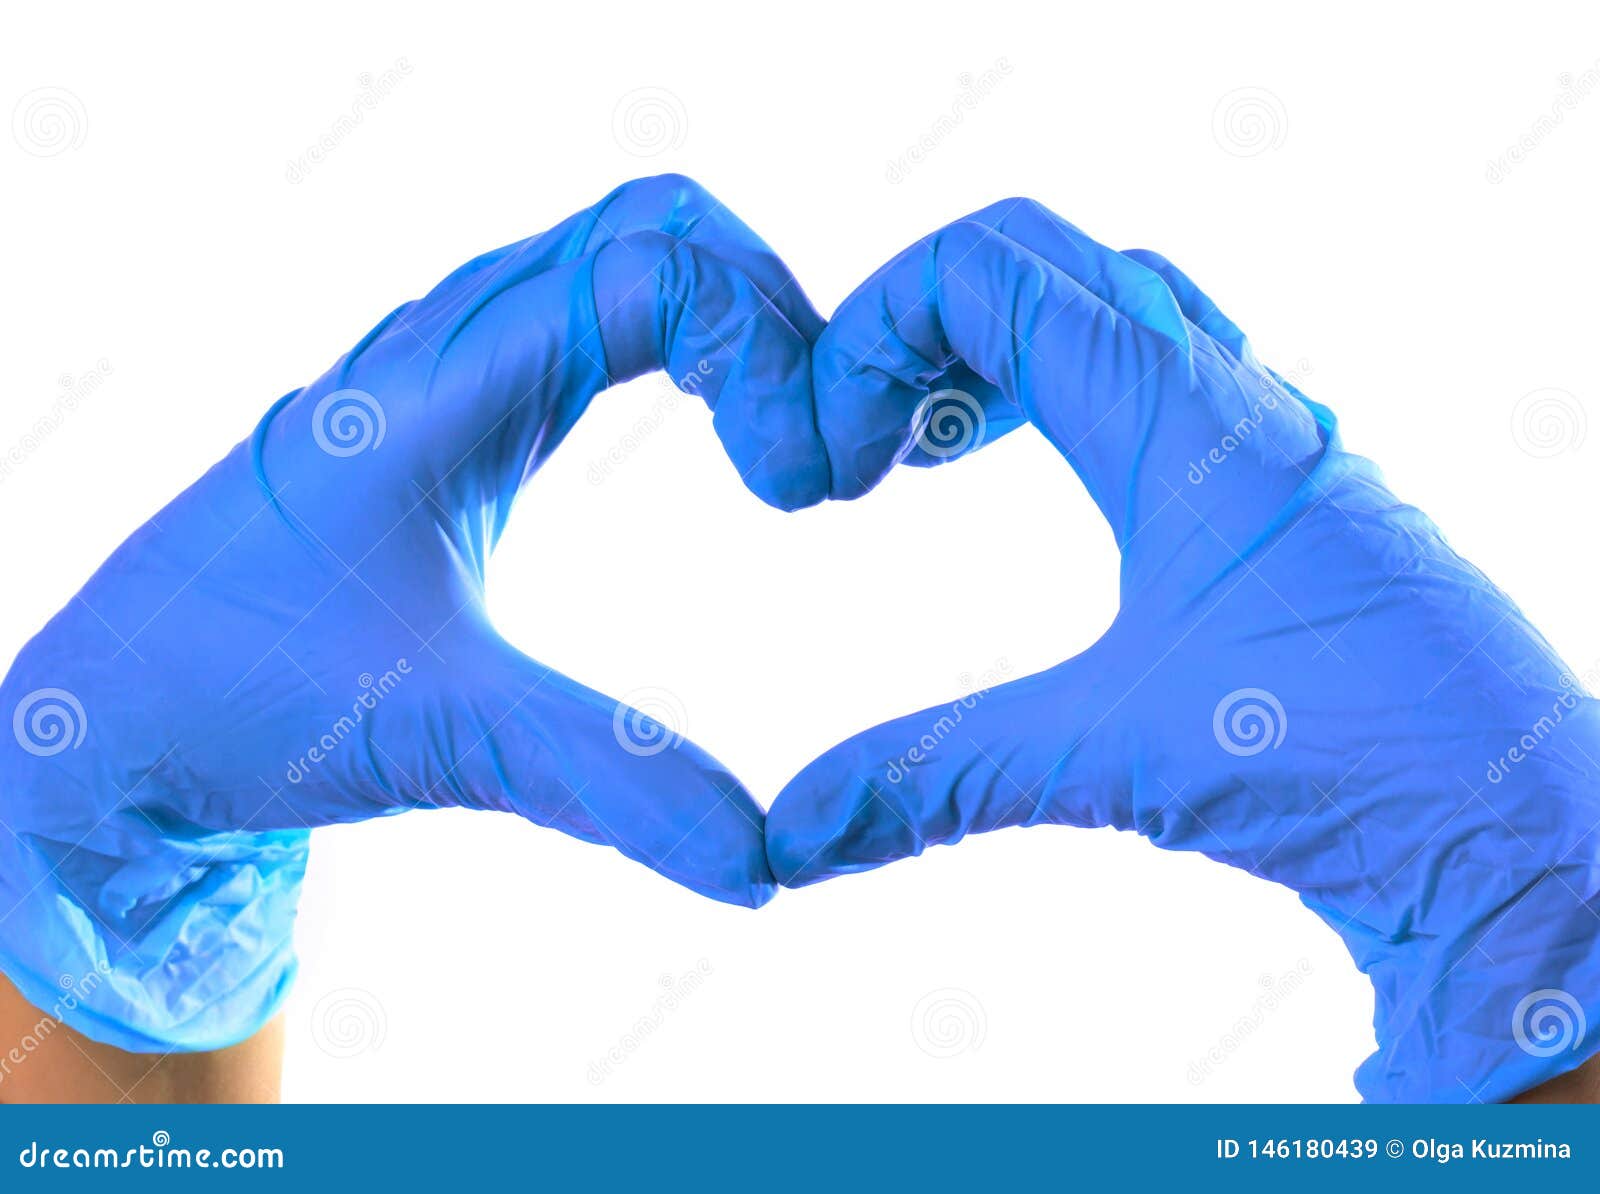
[300, 638]
[1303, 680]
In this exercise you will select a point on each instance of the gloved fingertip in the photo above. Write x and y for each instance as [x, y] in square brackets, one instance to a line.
[789, 479]
[752, 887]
[714, 841]
[823, 825]
[757, 895]
[730, 867]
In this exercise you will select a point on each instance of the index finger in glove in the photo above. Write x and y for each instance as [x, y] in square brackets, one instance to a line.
[1130, 393]
[497, 362]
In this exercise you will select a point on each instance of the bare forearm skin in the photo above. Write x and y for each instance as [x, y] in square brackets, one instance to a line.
[44, 1061]
[1581, 1085]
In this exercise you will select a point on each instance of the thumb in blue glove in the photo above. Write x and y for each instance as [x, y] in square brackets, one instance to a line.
[300, 638]
[1303, 679]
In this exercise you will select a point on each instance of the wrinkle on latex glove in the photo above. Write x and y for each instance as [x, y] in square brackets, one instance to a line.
[1303, 680]
[300, 637]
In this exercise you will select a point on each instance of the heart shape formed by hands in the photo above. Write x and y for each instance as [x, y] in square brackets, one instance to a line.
[1303, 679]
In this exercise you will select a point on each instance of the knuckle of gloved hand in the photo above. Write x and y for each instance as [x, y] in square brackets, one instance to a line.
[669, 194]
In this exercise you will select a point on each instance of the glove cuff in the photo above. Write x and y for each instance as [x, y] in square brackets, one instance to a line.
[1505, 1007]
[164, 945]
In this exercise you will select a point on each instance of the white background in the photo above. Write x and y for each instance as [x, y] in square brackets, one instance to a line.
[1353, 231]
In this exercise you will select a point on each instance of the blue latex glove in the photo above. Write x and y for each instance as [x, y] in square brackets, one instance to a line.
[300, 638]
[1303, 680]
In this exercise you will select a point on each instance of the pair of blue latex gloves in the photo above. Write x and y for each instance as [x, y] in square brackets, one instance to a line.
[1303, 680]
